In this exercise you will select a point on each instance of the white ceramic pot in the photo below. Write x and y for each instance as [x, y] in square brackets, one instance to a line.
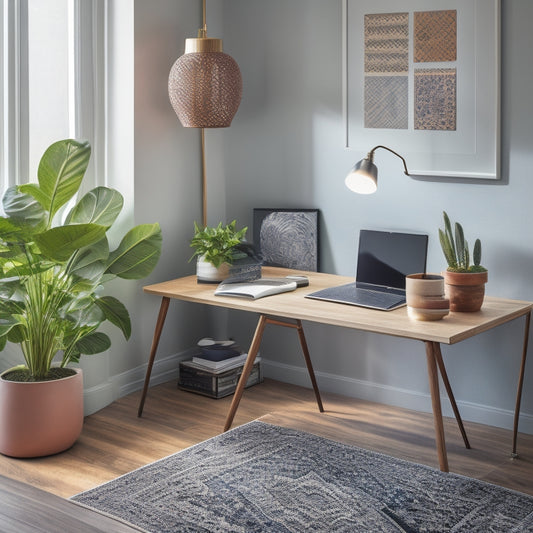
[207, 273]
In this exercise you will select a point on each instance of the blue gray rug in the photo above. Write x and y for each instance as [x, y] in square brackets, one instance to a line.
[260, 477]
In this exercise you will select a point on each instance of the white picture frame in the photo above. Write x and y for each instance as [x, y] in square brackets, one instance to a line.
[472, 149]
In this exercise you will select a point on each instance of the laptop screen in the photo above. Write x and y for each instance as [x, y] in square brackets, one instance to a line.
[385, 258]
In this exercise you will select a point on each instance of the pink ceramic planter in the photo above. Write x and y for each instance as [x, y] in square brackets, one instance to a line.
[41, 418]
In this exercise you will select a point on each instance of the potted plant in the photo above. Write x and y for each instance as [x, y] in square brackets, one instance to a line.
[465, 282]
[51, 301]
[216, 249]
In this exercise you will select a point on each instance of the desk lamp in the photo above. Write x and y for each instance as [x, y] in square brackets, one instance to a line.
[363, 178]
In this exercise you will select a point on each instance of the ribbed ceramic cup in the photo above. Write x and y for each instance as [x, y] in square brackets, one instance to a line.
[425, 297]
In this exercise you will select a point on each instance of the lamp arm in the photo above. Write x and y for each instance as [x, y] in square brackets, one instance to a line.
[370, 156]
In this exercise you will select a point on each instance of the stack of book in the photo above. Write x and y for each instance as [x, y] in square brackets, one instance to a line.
[215, 371]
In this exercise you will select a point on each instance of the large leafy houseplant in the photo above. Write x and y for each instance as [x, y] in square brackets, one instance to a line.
[52, 273]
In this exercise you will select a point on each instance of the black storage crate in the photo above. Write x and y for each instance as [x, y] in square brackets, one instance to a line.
[215, 384]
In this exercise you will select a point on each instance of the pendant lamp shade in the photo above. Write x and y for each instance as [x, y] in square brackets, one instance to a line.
[205, 85]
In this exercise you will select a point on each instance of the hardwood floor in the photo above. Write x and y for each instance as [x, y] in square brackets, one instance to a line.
[114, 441]
[26, 509]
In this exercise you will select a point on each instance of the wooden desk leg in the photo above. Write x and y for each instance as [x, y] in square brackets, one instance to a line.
[520, 384]
[297, 324]
[252, 352]
[155, 342]
[435, 401]
[438, 356]
[310, 370]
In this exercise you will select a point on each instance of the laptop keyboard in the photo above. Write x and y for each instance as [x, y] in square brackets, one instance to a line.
[350, 294]
[371, 298]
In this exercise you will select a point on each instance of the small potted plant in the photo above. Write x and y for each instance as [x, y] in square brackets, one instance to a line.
[51, 301]
[216, 249]
[465, 281]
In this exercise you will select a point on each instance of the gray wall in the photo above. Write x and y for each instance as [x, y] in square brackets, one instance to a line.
[167, 170]
[285, 149]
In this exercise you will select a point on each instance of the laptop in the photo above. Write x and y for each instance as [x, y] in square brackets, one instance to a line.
[383, 260]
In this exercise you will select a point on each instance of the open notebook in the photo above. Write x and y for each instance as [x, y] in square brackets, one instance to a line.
[383, 260]
[257, 288]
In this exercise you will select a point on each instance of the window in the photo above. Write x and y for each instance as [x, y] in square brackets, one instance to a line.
[13, 57]
[48, 77]
[52, 76]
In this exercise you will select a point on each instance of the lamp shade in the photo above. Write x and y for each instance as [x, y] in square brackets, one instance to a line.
[205, 85]
[363, 178]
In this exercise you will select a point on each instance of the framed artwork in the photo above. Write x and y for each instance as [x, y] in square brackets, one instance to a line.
[287, 237]
[423, 78]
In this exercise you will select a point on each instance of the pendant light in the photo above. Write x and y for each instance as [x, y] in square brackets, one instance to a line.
[205, 90]
[205, 84]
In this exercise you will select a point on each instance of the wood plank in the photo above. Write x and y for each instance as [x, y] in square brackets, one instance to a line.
[25, 508]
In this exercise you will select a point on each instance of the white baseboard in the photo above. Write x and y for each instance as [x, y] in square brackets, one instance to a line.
[165, 369]
[386, 394]
[96, 398]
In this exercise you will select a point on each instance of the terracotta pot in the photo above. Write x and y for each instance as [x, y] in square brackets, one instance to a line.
[207, 273]
[465, 290]
[40, 418]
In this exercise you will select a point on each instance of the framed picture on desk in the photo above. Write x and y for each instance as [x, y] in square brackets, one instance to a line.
[287, 237]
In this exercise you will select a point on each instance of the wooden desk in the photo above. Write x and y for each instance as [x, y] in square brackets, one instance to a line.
[292, 307]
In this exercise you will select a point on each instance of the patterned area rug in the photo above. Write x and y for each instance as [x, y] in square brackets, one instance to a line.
[260, 477]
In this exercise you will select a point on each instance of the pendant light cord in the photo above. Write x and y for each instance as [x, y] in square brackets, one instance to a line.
[203, 33]
[204, 181]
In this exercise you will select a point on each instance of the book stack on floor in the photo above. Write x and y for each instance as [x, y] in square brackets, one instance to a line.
[215, 370]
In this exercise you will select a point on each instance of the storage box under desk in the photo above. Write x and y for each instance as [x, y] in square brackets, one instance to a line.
[213, 384]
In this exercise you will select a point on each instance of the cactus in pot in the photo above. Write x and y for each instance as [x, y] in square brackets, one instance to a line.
[464, 282]
[456, 250]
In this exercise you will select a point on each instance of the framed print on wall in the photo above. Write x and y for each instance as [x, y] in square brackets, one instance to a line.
[287, 237]
[423, 77]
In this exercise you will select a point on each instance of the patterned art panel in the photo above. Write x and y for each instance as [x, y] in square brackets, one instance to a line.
[435, 99]
[386, 102]
[287, 237]
[435, 36]
[386, 69]
[387, 43]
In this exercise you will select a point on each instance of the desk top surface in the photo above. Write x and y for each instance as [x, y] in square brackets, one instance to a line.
[453, 328]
